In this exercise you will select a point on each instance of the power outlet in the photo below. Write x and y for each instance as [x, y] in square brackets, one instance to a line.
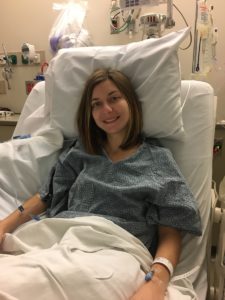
[2, 87]
[114, 25]
[15, 58]
[218, 145]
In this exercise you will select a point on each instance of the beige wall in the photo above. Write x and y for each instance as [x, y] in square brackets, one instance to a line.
[31, 21]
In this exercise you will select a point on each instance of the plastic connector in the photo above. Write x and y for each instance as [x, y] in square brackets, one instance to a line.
[218, 145]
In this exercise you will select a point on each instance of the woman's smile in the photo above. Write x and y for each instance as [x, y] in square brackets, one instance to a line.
[110, 121]
[110, 109]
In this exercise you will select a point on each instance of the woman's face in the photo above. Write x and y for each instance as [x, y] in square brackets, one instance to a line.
[110, 109]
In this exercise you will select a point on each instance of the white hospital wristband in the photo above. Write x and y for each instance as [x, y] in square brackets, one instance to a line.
[165, 262]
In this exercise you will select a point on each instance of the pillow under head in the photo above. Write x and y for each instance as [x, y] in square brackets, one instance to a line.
[152, 66]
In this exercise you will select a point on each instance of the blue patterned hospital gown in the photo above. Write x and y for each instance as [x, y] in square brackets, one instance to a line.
[136, 193]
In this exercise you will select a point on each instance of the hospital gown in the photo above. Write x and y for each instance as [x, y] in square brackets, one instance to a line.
[137, 193]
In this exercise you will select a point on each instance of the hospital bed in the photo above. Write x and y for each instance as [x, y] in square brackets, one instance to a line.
[48, 117]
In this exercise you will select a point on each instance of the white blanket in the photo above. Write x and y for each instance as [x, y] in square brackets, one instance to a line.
[84, 258]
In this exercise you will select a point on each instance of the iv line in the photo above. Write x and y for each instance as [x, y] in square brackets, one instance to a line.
[21, 209]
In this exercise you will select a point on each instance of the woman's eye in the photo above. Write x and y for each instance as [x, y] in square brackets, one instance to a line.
[95, 104]
[115, 98]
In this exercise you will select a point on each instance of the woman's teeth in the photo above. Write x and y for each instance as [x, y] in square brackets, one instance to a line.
[110, 120]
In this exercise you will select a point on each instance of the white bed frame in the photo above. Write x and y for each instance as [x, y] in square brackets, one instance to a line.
[194, 156]
[216, 248]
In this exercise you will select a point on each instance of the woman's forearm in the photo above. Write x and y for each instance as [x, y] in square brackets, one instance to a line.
[33, 206]
[169, 247]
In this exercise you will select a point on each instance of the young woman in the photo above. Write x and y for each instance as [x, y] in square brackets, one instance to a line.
[113, 171]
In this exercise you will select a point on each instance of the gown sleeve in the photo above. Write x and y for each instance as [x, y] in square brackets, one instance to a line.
[174, 204]
[55, 190]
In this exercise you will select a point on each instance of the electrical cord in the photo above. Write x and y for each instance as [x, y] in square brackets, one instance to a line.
[186, 23]
[198, 60]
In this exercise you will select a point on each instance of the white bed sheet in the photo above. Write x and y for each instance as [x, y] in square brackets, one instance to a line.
[80, 258]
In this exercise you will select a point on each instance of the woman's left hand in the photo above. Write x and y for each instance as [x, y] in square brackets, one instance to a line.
[155, 289]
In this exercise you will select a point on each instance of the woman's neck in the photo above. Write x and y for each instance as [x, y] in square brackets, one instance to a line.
[113, 143]
[116, 153]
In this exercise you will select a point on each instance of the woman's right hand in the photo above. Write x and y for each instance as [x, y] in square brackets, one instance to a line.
[33, 206]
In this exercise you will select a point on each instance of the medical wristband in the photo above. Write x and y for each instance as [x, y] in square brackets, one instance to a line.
[159, 260]
[165, 262]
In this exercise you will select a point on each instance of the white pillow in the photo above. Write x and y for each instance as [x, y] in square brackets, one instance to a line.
[33, 117]
[25, 164]
[152, 65]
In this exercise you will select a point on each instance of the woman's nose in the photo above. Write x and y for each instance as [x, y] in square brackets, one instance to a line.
[107, 107]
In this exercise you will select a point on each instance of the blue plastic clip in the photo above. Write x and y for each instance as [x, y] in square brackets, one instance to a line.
[24, 136]
[149, 276]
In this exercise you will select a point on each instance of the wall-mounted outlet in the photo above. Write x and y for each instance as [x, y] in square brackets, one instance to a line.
[16, 59]
[13, 59]
[218, 145]
[114, 25]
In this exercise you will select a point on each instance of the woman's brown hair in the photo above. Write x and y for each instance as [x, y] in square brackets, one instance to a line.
[91, 135]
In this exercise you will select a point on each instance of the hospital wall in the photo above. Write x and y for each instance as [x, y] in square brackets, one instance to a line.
[31, 21]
